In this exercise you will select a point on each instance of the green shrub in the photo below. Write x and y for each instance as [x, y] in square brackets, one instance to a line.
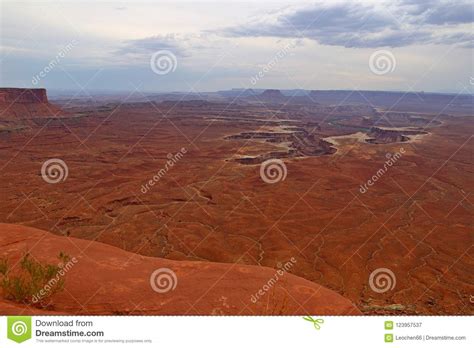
[3, 266]
[28, 283]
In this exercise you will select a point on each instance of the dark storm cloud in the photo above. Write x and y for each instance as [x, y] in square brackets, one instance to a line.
[319, 21]
[461, 13]
[465, 40]
[352, 24]
[440, 12]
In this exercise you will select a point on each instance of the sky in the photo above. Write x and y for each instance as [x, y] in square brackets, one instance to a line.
[163, 46]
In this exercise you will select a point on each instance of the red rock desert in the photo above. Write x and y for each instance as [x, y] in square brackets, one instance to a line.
[222, 158]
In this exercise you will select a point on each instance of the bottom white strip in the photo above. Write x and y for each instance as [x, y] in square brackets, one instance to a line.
[294, 331]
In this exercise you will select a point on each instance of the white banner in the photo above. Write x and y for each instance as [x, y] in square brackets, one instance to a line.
[219, 332]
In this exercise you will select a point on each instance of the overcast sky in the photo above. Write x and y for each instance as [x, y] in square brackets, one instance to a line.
[112, 45]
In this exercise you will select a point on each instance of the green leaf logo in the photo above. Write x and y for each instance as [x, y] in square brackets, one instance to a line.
[316, 322]
[19, 329]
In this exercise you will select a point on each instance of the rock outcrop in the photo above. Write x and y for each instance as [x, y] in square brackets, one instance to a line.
[299, 141]
[272, 94]
[21, 107]
[386, 136]
[23, 95]
[108, 280]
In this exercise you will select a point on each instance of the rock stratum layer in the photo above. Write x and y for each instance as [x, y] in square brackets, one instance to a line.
[415, 220]
[108, 280]
[20, 107]
[23, 95]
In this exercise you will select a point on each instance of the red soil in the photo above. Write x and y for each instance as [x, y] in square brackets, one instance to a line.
[416, 220]
[108, 280]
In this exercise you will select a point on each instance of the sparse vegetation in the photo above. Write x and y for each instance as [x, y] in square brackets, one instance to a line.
[3, 266]
[28, 282]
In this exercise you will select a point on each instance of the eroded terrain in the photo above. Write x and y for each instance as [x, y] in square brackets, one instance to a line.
[211, 204]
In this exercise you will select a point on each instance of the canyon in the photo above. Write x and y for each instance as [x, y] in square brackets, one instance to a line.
[213, 219]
